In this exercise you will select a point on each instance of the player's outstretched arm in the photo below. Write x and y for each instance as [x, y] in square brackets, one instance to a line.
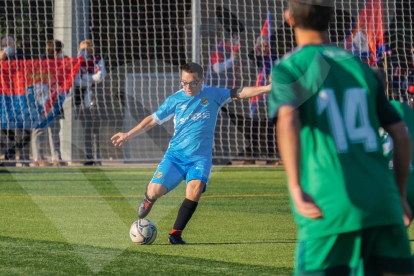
[288, 129]
[120, 138]
[401, 162]
[250, 91]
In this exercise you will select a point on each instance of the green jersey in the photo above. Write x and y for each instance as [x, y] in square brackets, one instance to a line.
[407, 114]
[342, 106]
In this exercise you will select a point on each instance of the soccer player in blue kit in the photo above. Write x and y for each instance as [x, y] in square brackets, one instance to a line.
[189, 155]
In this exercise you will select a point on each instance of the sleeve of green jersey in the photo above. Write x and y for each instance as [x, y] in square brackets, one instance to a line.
[284, 90]
[402, 109]
[386, 112]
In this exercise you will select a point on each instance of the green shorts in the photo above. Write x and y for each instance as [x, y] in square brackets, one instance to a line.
[364, 252]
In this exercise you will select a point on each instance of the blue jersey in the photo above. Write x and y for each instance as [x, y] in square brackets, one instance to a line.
[194, 121]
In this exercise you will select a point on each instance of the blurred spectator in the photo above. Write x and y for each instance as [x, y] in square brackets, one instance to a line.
[410, 79]
[92, 71]
[262, 136]
[224, 65]
[10, 51]
[13, 138]
[224, 71]
[402, 72]
[54, 49]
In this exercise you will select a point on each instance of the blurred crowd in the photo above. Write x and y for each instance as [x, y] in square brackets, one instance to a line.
[224, 70]
[19, 144]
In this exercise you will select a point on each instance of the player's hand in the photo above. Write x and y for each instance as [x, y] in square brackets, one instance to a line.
[305, 205]
[408, 215]
[119, 139]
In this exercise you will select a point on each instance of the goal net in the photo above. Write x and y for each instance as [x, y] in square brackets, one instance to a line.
[144, 43]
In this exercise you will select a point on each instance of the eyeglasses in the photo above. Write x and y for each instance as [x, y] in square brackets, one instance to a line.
[192, 84]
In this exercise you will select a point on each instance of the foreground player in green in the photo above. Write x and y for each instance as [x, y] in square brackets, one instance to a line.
[329, 106]
[407, 115]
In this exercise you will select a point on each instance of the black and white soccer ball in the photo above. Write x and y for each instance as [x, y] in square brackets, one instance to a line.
[143, 231]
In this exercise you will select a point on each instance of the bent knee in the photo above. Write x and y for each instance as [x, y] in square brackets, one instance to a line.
[195, 189]
[155, 190]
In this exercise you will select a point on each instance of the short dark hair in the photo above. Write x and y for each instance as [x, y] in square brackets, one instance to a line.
[194, 68]
[310, 17]
[53, 46]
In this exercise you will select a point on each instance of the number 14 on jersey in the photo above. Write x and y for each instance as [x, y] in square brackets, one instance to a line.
[353, 124]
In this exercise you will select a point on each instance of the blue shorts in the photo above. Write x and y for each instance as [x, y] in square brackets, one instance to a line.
[171, 171]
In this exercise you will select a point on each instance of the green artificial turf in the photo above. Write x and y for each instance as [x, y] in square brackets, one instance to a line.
[75, 221]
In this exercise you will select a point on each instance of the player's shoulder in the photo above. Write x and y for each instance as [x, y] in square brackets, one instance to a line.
[293, 60]
[176, 96]
[288, 57]
[291, 63]
[215, 93]
[301, 54]
[402, 108]
[398, 103]
[214, 89]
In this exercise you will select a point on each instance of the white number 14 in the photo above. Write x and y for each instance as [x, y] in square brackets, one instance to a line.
[344, 128]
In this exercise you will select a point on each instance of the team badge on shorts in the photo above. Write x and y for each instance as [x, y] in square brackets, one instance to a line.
[159, 175]
[204, 101]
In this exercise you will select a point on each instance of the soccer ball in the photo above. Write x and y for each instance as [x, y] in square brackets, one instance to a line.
[143, 231]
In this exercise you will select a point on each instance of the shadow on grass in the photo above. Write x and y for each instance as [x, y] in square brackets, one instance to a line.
[234, 243]
[33, 257]
[4, 171]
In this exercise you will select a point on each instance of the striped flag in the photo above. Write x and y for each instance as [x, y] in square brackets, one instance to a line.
[33, 90]
[266, 29]
[366, 37]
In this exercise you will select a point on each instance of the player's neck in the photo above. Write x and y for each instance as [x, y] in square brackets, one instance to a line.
[307, 37]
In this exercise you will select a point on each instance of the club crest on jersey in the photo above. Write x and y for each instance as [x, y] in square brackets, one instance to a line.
[183, 107]
[159, 175]
[204, 102]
